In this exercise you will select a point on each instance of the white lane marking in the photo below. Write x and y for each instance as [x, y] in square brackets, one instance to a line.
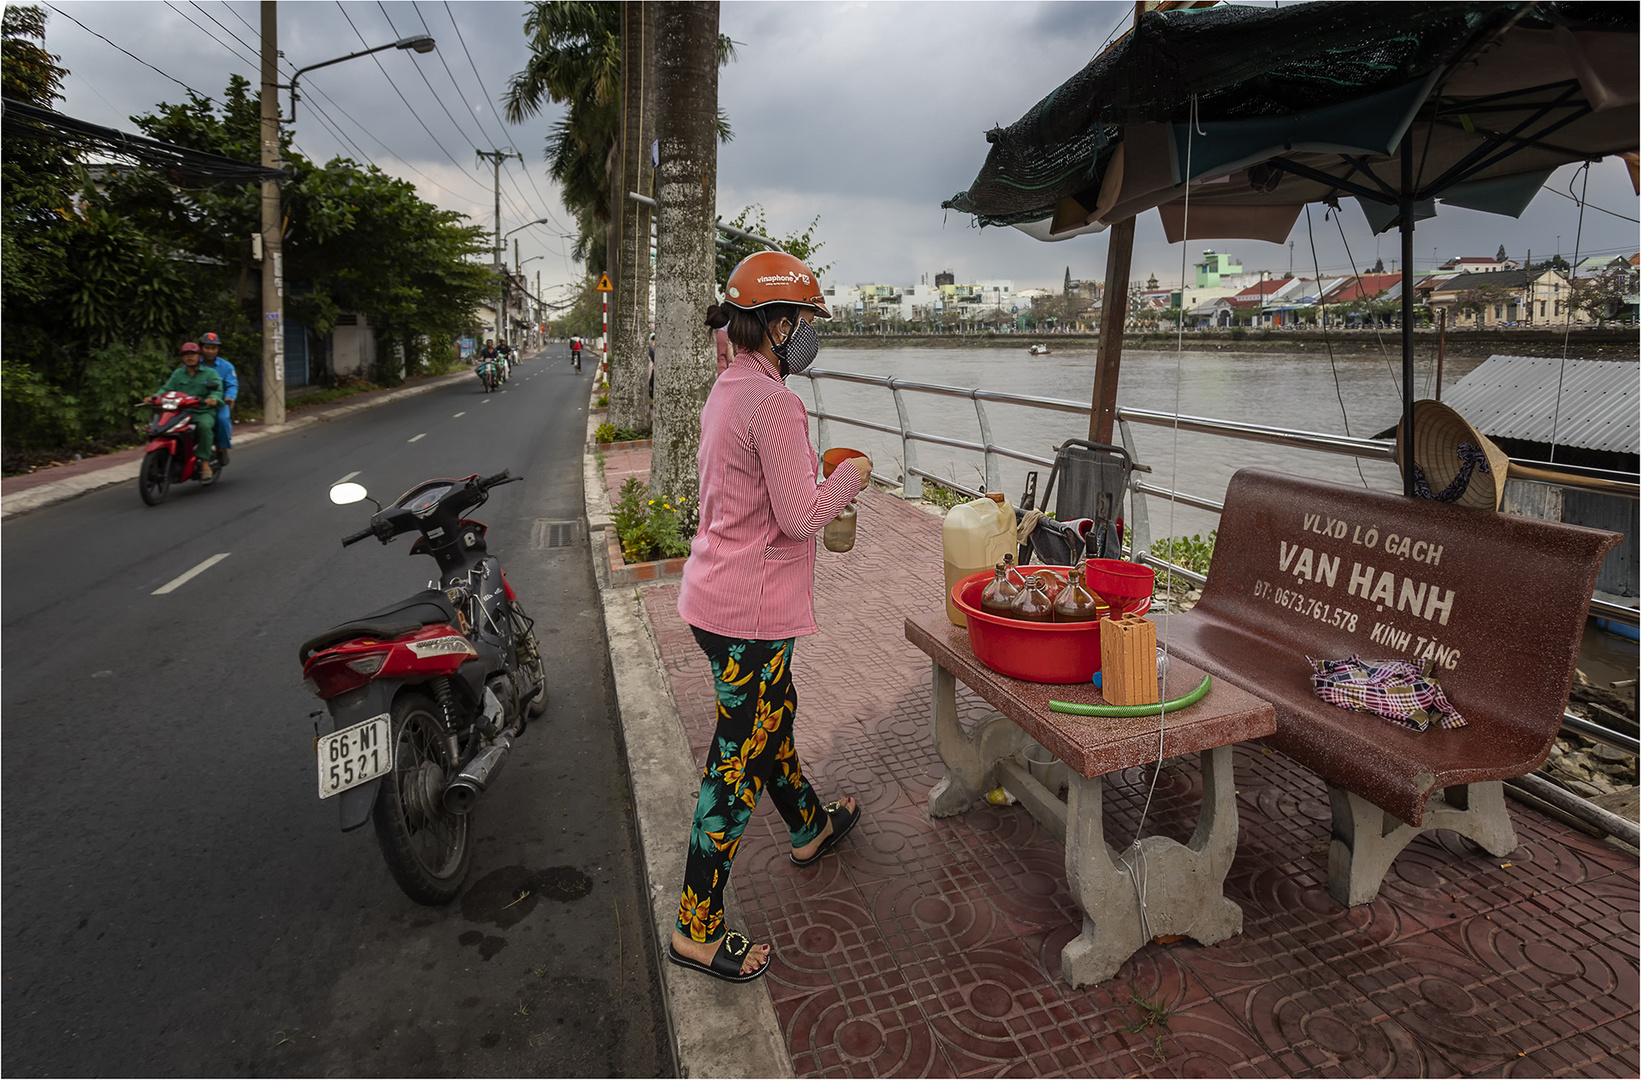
[177, 582]
[459, 415]
[486, 401]
[346, 478]
[418, 438]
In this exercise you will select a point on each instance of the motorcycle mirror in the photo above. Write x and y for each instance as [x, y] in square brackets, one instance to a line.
[347, 494]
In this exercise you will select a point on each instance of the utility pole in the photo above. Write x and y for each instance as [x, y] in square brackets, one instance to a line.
[273, 256]
[496, 157]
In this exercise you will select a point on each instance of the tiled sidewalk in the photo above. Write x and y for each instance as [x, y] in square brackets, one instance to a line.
[931, 947]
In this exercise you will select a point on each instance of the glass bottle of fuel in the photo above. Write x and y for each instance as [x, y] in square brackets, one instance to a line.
[1033, 604]
[1016, 578]
[1075, 603]
[998, 597]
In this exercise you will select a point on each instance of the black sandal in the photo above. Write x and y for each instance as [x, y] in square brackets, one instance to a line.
[840, 828]
[726, 962]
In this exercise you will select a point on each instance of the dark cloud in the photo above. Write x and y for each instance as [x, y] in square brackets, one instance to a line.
[866, 114]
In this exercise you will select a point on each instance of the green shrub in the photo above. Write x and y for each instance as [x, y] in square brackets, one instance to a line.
[609, 433]
[1193, 553]
[1238, 333]
[603, 402]
[651, 529]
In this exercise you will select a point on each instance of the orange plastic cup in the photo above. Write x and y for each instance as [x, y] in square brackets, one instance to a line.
[835, 457]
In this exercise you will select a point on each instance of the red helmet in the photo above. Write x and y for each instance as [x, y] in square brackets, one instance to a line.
[774, 277]
[188, 347]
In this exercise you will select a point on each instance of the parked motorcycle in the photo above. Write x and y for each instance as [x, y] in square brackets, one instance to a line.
[425, 697]
[169, 458]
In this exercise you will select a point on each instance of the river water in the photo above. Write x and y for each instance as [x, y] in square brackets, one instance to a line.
[1289, 389]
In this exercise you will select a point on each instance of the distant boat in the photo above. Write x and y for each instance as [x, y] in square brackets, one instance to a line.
[1038, 350]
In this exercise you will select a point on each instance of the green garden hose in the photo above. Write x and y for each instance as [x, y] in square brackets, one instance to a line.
[1133, 710]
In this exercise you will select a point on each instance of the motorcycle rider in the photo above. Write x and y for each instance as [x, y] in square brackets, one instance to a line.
[209, 346]
[196, 380]
[575, 351]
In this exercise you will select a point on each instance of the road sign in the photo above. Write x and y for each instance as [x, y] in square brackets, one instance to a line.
[604, 283]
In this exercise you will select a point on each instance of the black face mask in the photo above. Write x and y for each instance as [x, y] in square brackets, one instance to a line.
[799, 349]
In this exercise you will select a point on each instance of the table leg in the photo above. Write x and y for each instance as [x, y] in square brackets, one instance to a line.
[970, 757]
[1184, 886]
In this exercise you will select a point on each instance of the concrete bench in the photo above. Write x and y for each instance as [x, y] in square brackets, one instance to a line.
[1495, 602]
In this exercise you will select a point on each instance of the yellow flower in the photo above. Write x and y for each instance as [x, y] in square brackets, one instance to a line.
[733, 771]
[696, 913]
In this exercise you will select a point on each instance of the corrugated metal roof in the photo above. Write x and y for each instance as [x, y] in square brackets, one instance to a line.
[1514, 397]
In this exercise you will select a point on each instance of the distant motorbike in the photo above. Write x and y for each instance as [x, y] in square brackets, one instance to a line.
[169, 458]
[486, 371]
[425, 697]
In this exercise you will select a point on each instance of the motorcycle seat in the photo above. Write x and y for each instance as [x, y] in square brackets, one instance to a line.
[426, 608]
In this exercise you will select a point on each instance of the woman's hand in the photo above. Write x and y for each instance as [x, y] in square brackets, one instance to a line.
[863, 465]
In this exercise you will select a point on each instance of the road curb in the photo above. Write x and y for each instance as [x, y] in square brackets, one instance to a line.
[718, 1028]
[72, 487]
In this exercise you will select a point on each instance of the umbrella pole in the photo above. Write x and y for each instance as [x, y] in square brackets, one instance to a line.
[1119, 253]
[1407, 312]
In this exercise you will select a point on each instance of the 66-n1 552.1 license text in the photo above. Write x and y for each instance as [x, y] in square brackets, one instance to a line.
[354, 755]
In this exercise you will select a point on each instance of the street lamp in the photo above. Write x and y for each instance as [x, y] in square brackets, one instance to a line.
[420, 43]
[501, 266]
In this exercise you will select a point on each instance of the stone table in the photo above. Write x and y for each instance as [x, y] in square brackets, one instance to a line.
[1184, 884]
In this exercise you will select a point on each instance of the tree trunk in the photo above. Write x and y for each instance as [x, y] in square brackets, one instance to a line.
[686, 76]
[629, 351]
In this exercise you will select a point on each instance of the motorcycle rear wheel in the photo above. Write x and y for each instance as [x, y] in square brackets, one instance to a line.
[154, 479]
[427, 849]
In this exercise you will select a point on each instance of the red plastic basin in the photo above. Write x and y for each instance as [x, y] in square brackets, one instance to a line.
[1035, 652]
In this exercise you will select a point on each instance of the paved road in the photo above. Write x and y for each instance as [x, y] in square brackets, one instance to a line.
[176, 898]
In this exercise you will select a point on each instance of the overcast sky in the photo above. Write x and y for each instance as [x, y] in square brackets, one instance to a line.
[867, 114]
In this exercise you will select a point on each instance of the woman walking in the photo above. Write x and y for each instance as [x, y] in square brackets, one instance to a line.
[749, 592]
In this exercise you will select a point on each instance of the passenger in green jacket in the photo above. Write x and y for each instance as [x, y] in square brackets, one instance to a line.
[201, 382]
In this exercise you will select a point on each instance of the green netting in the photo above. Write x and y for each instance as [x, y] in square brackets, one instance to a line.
[1239, 62]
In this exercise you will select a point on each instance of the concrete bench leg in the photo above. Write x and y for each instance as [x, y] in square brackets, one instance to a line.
[1366, 839]
[970, 758]
[1184, 885]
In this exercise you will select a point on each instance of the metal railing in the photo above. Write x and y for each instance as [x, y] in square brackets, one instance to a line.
[993, 454]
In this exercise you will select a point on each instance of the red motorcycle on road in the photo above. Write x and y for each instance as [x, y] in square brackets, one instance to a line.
[170, 455]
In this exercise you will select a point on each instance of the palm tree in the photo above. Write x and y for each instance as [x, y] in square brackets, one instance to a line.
[575, 60]
[686, 79]
[629, 353]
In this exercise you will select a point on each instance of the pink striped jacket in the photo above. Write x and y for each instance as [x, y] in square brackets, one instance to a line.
[751, 568]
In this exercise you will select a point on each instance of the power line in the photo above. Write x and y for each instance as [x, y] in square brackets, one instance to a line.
[330, 124]
[541, 200]
[127, 52]
[459, 129]
[396, 89]
[479, 78]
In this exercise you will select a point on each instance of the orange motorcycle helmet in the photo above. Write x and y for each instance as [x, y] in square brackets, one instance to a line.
[774, 277]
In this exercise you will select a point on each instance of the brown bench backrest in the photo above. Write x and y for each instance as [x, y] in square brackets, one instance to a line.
[1498, 602]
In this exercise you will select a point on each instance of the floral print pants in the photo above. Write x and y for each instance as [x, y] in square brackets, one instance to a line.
[751, 749]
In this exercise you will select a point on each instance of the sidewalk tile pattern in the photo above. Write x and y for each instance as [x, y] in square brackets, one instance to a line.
[932, 947]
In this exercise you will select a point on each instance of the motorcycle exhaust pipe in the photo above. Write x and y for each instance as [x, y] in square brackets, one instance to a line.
[463, 792]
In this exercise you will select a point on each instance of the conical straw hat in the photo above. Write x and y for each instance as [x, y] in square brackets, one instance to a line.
[1437, 433]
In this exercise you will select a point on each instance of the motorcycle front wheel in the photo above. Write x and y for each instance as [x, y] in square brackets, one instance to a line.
[154, 480]
[427, 849]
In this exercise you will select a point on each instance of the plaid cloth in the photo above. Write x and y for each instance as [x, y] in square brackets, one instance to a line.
[1397, 690]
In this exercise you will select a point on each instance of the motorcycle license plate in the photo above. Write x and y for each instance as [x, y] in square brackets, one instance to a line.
[354, 755]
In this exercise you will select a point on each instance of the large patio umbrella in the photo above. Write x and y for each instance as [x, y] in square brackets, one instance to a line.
[1228, 120]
